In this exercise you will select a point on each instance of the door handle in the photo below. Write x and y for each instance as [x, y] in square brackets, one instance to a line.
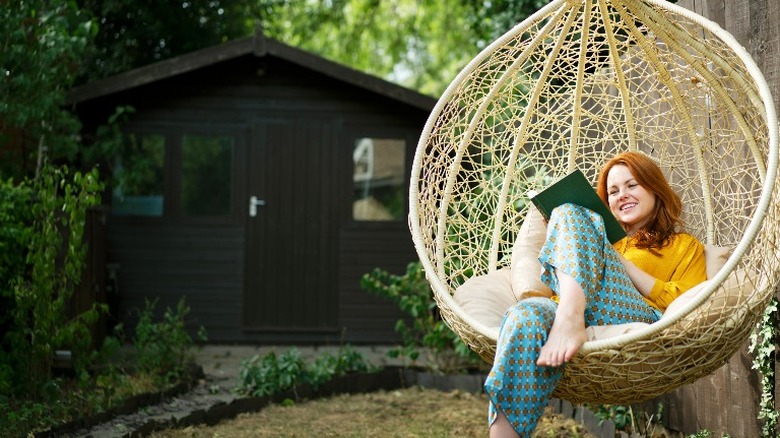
[253, 203]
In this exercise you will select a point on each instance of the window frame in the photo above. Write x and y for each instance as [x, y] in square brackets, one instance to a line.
[172, 171]
[350, 140]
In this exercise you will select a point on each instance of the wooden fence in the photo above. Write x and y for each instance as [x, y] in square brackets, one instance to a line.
[93, 287]
[726, 402]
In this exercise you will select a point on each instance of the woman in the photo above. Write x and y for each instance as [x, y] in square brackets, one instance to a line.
[594, 283]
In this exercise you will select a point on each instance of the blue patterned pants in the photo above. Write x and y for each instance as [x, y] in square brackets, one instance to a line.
[577, 245]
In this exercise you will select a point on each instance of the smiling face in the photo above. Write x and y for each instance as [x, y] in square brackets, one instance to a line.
[631, 203]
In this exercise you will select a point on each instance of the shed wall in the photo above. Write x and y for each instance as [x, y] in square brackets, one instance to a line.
[205, 261]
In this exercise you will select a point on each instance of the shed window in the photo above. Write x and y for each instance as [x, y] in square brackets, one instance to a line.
[139, 170]
[378, 179]
[206, 175]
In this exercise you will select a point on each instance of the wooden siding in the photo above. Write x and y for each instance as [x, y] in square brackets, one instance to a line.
[202, 263]
[726, 402]
[366, 316]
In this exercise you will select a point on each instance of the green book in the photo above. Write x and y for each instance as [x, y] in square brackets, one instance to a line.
[574, 188]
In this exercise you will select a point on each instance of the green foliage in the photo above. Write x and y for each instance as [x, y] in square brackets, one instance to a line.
[632, 419]
[15, 215]
[328, 366]
[489, 20]
[161, 358]
[406, 41]
[268, 375]
[42, 277]
[162, 347]
[17, 420]
[704, 433]
[42, 43]
[105, 386]
[412, 293]
[763, 346]
[272, 374]
[135, 33]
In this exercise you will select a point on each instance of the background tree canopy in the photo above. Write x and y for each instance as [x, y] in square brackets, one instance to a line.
[421, 44]
[49, 46]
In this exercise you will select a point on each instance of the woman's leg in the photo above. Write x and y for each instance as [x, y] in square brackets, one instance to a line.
[502, 428]
[577, 248]
[516, 386]
[583, 269]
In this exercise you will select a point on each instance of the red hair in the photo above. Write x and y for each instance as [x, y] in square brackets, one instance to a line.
[665, 220]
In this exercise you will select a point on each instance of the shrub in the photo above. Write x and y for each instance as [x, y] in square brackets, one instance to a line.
[271, 374]
[163, 346]
[40, 278]
[427, 333]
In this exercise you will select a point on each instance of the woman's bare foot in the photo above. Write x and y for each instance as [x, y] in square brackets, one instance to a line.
[568, 330]
[564, 341]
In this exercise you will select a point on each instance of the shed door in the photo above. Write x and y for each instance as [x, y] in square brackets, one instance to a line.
[291, 256]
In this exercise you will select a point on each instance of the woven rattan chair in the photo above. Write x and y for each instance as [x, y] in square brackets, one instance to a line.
[570, 86]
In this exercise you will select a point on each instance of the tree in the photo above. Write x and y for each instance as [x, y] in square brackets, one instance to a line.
[42, 44]
[419, 44]
[491, 19]
[138, 32]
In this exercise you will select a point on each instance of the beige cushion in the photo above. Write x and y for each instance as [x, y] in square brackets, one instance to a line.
[526, 269]
[487, 297]
[715, 257]
[727, 295]
[596, 332]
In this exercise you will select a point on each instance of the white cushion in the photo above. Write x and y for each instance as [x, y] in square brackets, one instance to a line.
[487, 297]
[526, 269]
[715, 257]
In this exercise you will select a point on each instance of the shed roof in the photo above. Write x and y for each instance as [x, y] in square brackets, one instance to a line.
[259, 46]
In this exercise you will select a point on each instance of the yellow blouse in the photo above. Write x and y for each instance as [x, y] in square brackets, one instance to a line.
[677, 267]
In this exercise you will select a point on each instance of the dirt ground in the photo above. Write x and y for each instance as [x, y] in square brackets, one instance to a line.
[410, 412]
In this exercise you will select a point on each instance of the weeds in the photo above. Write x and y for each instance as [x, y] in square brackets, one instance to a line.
[272, 374]
[162, 346]
[634, 420]
[106, 383]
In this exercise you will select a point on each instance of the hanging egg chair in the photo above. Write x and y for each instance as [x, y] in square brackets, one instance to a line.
[572, 85]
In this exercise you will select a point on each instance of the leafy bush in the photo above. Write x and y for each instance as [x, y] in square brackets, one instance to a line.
[272, 374]
[267, 375]
[328, 366]
[427, 333]
[161, 357]
[41, 277]
[42, 54]
[162, 347]
[763, 342]
[632, 419]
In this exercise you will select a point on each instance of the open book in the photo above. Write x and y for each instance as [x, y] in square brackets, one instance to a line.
[574, 188]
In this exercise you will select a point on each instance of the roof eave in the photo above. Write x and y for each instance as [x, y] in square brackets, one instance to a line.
[257, 45]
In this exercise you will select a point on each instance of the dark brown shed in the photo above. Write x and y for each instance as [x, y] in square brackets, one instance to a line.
[259, 182]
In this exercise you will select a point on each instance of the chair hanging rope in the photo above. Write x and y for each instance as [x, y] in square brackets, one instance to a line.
[572, 85]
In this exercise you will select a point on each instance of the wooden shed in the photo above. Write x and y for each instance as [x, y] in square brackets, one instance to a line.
[260, 182]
